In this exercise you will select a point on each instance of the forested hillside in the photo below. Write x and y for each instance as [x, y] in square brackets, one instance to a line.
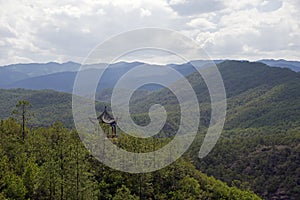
[259, 147]
[257, 96]
[52, 163]
[48, 106]
[265, 160]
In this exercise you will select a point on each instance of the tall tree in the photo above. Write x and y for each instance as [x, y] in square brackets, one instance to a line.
[22, 109]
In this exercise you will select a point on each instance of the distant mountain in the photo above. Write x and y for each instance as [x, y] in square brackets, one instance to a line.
[188, 68]
[39, 69]
[64, 81]
[7, 76]
[60, 77]
[293, 65]
[58, 81]
[13, 73]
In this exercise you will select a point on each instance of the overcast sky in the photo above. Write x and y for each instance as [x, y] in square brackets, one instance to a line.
[64, 30]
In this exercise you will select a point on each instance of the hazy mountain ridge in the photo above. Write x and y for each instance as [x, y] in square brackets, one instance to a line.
[38, 69]
[292, 65]
[61, 77]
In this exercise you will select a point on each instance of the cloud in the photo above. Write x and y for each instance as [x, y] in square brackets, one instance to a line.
[269, 6]
[202, 24]
[69, 30]
[194, 7]
[145, 12]
[253, 34]
[42, 31]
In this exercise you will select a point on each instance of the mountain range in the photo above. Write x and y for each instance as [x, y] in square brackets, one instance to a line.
[60, 77]
[259, 147]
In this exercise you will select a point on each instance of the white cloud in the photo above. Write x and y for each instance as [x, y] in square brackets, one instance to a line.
[145, 12]
[202, 24]
[42, 31]
[255, 34]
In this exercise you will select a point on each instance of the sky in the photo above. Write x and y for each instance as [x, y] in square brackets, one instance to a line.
[67, 30]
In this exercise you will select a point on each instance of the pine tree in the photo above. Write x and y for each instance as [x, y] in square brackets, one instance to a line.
[22, 109]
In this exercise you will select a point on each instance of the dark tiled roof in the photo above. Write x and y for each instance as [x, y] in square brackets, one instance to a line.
[105, 117]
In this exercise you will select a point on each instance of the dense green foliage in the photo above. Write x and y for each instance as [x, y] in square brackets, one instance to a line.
[48, 106]
[265, 160]
[52, 163]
